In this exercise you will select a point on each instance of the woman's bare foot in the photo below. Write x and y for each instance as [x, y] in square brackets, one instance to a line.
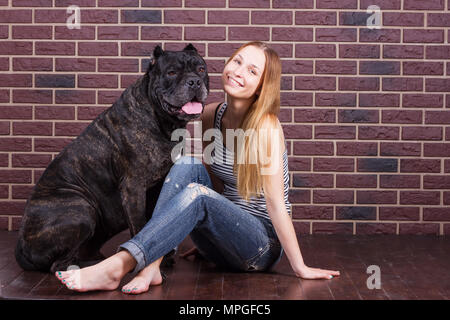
[105, 275]
[151, 275]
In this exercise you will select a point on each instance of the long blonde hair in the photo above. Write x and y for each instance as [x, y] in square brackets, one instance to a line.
[265, 107]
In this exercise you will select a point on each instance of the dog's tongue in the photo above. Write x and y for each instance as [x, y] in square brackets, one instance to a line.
[192, 107]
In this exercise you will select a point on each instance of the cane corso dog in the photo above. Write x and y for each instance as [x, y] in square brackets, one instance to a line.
[109, 178]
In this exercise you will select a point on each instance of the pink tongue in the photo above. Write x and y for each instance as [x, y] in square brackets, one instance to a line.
[192, 107]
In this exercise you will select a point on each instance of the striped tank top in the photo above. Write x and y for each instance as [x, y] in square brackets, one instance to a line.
[224, 171]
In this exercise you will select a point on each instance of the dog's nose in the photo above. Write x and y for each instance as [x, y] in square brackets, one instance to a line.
[194, 83]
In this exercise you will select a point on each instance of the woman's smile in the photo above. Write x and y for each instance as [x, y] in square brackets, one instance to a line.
[233, 82]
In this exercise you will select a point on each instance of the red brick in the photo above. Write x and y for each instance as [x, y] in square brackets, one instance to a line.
[438, 19]
[50, 16]
[335, 99]
[299, 196]
[384, 35]
[99, 16]
[4, 32]
[15, 16]
[89, 113]
[400, 149]
[137, 49]
[55, 48]
[332, 228]
[85, 33]
[4, 128]
[356, 181]
[21, 192]
[437, 85]
[421, 5]
[15, 176]
[337, 4]
[128, 79]
[117, 33]
[336, 34]
[4, 96]
[436, 182]
[315, 18]
[312, 212]
[312, 180]
[437, 117]
[32, 96]
[335, 67]
[35, 3]
[74, 97]
[166, 33]
[118, 3]
[301, 227]
[447, 166]
[141, 16]
[376, 197]
[358, 116]
[313, 148]
[403, 52]
[399, 181]
[423, 36]
[446, 197]
[407, 19]
[297, 131]
[314, 115]
[401, 116]
[12, 207]
[376, 228]
[422, 100]
[437, 52]
[422, 133]
[333, 196]
[31, 160]
[54, 113]
[333, 164]
[16, 112]
[16, 48]
[271, 17]
[315, 83]
[379, 67]
[315, 50]
[54, 80]
[296, 99]
[15, 80]
[377, 165]
[98, 49]
[423, 68]
[293, 4]
[297, 66]
[184, 16]
[32, 64]
[34, 128]
[51, 144]
[32, 32]
[420, 197]
[201, 3]
[75, 64]
[359, 84]
[108, 97]
[161, 3]
[204, 33]
[228, 17]
[436, 214]
[419, 228]
[402, 84]
[399, 213]
[420, 165]
[4, 162]
[334, 132]
[15, 144]
[249, 33]
[357, 148]
[356, 213]
[80, 3]
[436, 149]
[118, 65]
[359, 51]
[299, 164]
[69, 128]
[249, 3]
[292, 34]
[97, 81]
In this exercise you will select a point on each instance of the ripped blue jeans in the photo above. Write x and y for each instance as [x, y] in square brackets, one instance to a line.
[223, 233]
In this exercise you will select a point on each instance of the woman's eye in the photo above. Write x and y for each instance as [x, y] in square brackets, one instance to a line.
[253, 72]
[237, 61]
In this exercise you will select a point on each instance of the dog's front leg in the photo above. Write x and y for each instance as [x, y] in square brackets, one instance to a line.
[133, 194]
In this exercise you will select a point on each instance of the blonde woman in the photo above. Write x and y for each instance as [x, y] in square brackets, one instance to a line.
[235, 208]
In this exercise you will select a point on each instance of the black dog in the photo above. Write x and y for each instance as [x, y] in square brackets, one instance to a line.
[108, 179]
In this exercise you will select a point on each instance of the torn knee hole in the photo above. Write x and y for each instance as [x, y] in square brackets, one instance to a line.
[191, 185]
[204, 190]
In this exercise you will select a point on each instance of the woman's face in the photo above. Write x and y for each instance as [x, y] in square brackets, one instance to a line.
[241, 76]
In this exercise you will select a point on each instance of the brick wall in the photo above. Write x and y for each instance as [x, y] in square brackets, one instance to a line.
[366, 112]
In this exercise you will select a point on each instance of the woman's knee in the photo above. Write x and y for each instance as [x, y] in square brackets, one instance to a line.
[197, 189]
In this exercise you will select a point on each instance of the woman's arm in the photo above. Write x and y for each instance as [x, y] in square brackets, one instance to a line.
[274, 194]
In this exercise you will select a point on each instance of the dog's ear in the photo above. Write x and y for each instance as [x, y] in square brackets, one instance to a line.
[157, 52]
[190, 47]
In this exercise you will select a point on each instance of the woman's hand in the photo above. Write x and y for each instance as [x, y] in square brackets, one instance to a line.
[306, 272]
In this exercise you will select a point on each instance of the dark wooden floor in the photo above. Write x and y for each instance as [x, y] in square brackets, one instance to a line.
[412, 267]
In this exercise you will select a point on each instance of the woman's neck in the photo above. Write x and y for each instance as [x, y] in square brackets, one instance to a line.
[236, 109]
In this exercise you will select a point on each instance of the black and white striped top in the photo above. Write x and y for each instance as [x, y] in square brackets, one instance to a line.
[224, 171]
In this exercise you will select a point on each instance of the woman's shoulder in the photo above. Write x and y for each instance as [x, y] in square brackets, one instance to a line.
[208, 114]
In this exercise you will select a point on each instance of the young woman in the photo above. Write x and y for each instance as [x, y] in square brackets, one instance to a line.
[237, 217]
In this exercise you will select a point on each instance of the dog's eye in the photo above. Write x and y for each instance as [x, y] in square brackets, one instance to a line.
[171, 73]
[201, 69]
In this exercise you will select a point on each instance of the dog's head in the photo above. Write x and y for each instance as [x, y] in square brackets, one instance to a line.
[178, 82]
